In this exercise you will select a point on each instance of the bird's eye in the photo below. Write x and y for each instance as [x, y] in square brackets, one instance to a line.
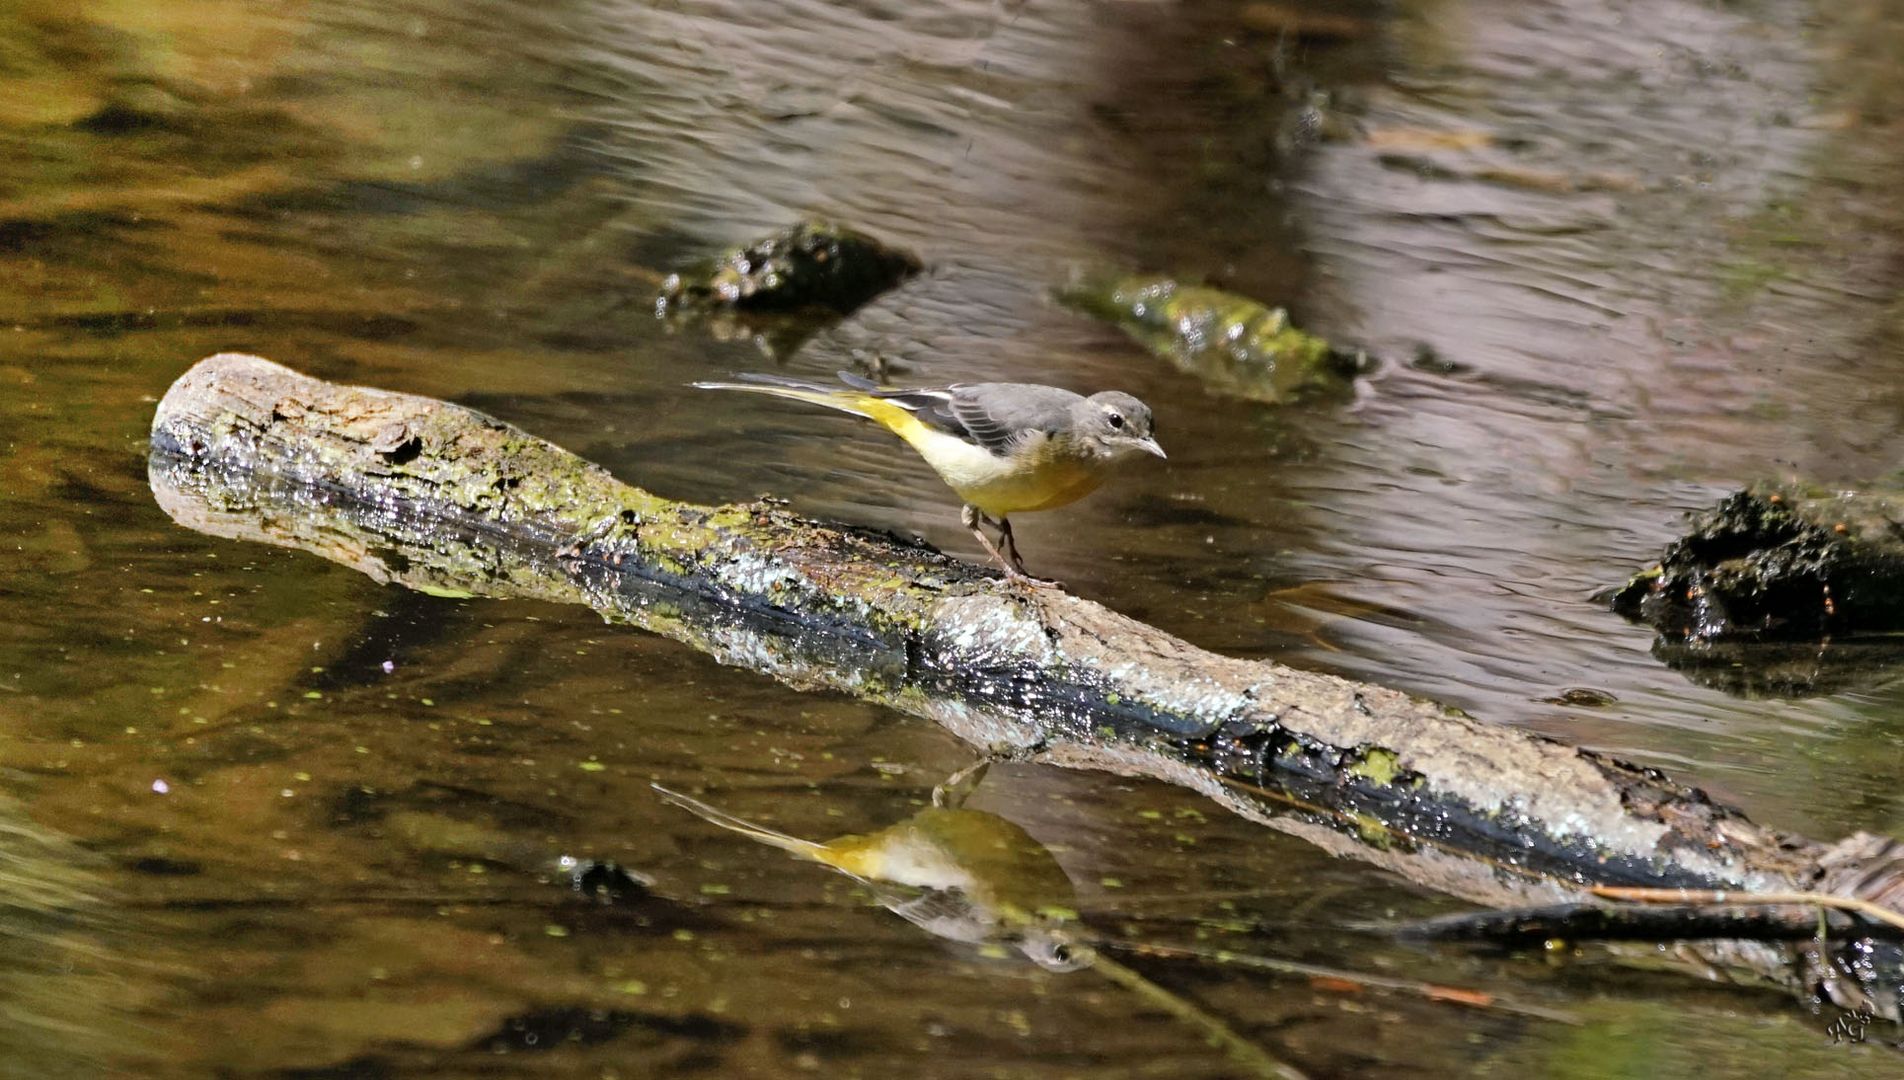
[1116, 419]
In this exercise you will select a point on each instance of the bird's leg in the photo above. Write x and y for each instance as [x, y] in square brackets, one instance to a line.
[952, 793]
[1018, 562]
[1011, 545]
[972, 519]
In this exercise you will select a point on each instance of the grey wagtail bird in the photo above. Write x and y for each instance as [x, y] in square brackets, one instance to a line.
[1005, 448]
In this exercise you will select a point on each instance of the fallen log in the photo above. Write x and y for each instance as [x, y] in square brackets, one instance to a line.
[1533, 927]
[438, 497]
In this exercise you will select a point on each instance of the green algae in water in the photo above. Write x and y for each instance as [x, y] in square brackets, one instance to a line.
[1235, 344]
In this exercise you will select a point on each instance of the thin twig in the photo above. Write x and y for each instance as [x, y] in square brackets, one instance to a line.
[1478, 999]
[1241, 1050]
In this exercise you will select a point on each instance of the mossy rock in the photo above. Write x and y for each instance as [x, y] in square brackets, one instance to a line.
[1777, 563]
[1235, 344]
[813, 266]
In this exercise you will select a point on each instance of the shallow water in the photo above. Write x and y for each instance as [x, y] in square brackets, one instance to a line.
[268, 818]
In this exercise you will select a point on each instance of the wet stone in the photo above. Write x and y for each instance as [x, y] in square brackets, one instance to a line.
[1585, 697]
[1779, 592]
[605, 881]
[811, 266]
[1781, 565]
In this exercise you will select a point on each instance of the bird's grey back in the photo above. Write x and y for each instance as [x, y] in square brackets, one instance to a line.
[1017, 406]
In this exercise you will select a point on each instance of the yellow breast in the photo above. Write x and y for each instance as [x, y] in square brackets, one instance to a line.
[1035, 476]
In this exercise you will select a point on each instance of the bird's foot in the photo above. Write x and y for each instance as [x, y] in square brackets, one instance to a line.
[1014, 563]
[1019, 577]
[1016, 575]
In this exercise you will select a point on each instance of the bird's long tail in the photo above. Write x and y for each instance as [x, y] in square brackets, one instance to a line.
[804, 848]
[851, 399]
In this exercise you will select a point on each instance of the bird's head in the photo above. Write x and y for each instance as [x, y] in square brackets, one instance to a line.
[1055, 950]
[1115, 424]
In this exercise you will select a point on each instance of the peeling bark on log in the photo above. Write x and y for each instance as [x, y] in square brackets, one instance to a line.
[442, 498]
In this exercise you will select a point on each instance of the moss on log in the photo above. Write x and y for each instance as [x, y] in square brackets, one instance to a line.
[439, 497]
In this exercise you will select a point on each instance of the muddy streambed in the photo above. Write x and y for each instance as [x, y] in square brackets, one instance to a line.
[263, 817]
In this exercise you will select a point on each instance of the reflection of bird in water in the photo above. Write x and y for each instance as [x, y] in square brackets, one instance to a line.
[960, 874]
[975, 877]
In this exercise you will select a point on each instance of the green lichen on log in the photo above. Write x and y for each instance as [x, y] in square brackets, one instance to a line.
[1235, 344]
[1778, 564]
[814, 265]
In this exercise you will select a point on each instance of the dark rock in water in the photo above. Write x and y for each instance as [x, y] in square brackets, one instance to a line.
[138, 107]
[814, 265]
[1583, 697]
[1235, 344]
[1749, 597]
[604, 881]
[1776, 564]
[160, 866]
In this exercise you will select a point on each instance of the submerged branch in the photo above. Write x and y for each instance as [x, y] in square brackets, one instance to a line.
[1323, 976]
[1534, 927]
[1721, 898]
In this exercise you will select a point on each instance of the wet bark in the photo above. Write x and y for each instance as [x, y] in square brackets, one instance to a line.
[438, 497]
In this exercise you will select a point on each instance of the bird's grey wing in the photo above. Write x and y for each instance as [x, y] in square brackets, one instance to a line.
[1000, 416]
[996, 416]
[938, 409]
[945, 913]
[1003, 415]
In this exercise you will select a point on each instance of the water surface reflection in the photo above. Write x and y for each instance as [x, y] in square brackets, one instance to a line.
[1649, 247]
